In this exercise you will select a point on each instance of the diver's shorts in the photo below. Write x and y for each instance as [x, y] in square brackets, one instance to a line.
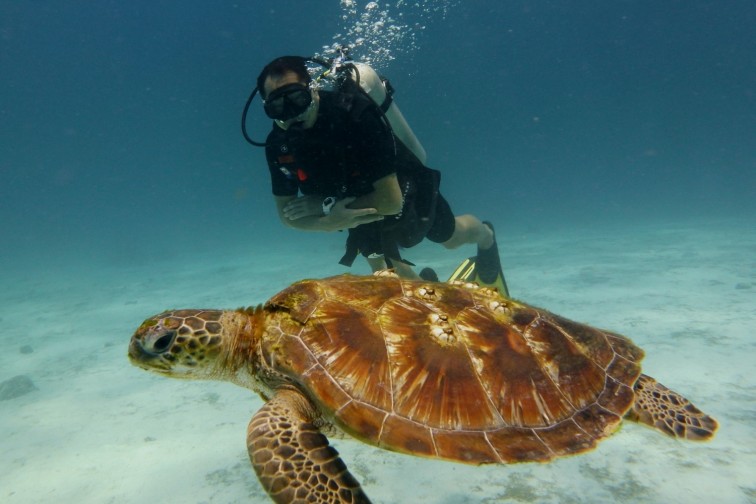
[443, 226]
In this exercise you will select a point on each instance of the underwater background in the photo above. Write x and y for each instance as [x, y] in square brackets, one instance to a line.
[613, 145]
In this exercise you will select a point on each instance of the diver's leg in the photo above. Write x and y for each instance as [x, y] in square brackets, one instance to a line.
[469, 229]
[376, 262]
[404, 270]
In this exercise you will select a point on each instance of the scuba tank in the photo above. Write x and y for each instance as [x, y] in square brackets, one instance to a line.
[381, 92]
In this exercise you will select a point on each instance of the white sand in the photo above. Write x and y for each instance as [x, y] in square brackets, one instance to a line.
[100, 431]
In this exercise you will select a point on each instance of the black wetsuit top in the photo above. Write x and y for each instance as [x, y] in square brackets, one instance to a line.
[350, 147]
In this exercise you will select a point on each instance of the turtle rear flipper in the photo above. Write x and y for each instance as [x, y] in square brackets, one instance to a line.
[666, 410]
[293, 459]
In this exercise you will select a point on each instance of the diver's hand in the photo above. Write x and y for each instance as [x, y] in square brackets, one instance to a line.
[303, 206]
[342, 217]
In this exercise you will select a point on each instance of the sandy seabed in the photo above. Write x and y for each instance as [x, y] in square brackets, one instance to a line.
[94, 429]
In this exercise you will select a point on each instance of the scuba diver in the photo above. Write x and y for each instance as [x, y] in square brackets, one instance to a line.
[345, 158]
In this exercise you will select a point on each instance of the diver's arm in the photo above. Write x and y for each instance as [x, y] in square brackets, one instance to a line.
[306, 212]
[386, 197]
[302, 206]
[339, 218]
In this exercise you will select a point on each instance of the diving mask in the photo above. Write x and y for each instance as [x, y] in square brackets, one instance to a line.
[288, 102]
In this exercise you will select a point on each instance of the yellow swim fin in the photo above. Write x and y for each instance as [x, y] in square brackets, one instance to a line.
[467, 272]
[464, 272]
[484, 269]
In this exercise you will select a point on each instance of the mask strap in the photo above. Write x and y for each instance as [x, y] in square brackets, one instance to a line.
[244, 120]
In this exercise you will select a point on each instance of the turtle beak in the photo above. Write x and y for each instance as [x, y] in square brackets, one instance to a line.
[145, 358]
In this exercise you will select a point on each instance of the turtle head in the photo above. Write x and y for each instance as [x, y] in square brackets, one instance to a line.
[182, 343]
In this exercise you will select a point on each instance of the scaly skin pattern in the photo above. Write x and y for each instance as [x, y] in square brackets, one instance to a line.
[449, 371]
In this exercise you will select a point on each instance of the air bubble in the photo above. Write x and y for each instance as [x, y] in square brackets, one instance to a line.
[373, 33]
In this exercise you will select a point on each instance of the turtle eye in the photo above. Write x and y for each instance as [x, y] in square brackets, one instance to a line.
[164, 342]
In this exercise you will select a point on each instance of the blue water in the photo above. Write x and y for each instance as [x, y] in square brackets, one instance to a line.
[120, 122]
[120, 148]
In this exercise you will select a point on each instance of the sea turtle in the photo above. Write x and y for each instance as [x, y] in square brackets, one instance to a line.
[450, 371]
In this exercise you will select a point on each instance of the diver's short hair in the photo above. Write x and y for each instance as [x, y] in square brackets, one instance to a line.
[280, 67]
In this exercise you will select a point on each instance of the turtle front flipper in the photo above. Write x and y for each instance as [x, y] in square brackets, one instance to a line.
[669, 412]
[293, 459]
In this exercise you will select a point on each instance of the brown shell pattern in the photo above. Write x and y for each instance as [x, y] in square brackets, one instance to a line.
[450, 371]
